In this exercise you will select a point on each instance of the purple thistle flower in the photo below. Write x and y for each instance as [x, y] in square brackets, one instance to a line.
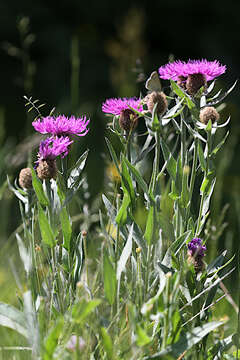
[176, 69]
[196, 248]
[62, 125]
[52, 147]
[116, 105]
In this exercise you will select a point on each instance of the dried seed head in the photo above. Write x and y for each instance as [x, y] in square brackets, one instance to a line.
[160, 99]
[47, 169]
[128, 120]
[25, 178]
[195, 82]
[209, 113]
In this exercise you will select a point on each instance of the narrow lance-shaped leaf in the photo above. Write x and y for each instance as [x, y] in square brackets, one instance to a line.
[66, 228]
[150, 225]
[125, 254]
[38, 188]
[107, 344]
[45, 228]
[110, 281]
[13, 318]
[171, 162]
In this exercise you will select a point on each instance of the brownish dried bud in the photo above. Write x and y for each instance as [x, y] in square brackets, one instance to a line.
[160, 99]
[209, 113]
[197, 262]
[25, 178]
[84, 233]
[47, 169]
[195, 82]
[128, 120]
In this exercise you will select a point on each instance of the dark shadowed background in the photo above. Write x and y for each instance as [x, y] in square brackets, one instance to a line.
[72, 55]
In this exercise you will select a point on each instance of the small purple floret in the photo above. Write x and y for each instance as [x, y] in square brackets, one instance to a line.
[116, 105]
[62, 125]
[52, 147]
[196, 248]
[211, 69]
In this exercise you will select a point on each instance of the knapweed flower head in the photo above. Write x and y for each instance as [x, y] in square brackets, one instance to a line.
[192, 75]
[195, 248]
[211, 69]
[115, 106]
[62, 125]
[52, 147]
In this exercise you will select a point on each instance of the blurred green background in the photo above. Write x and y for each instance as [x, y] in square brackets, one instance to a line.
[72, 55]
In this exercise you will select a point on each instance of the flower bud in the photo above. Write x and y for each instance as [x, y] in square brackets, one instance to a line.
[47, 169]
[195, 82]
[160, 99]
[25, 178]
[209, 113]
[128, 120]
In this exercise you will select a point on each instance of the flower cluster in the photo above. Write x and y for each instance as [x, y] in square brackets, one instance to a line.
[60, 129]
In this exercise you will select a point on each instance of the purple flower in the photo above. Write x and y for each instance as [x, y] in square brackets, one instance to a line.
[52, 147]
[62, 125]
[196, 248]
[116, 105]
[176, 69]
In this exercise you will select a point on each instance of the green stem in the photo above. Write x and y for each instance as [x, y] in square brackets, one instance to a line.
[147, 272]
[209, 147]
[85, 252]
[156, 163]
[192, 181]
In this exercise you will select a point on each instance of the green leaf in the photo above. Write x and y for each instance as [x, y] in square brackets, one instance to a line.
[171, 162]
[184, 200]
[13, 318]
[180, 241]
[218, 147]
[206, 184]
[186, 341]
[125, 255]
[110, 281]
[107, 343]
[138, 178]
[121, 217]
[127, 181]
[66, 227]
[51, 341]
[83, 309]
[201, 157]
[150, 225]
[38, 188]
[74, 180]
[179, 92]
[142, 338]
[45, 228]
